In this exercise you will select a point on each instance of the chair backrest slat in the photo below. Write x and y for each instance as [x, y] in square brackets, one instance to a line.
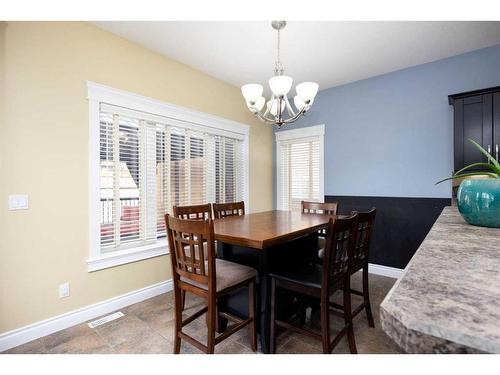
[330, 208]
[340, 238]
[364, 230]
[187, 240]
[196, 212]
[229, 209]
[192, 250]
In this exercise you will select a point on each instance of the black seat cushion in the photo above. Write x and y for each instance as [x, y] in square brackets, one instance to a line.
[309, 275]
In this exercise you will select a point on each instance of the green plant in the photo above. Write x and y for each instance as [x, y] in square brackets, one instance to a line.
[492, 165]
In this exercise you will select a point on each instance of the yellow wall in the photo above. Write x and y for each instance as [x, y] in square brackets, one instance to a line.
[44, 142]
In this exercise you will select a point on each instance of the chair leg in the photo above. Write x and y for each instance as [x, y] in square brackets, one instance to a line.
[302, 310]
[211, 316]
[178, 320]
[348, 315]
[325, 325]
[366, 297]
[272, 344]
[217, 319]
[251, 314]
[183, 299]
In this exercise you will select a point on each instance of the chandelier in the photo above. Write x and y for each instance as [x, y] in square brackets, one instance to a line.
[280, 86]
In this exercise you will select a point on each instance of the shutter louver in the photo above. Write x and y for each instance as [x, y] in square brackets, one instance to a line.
[178, 182]
[197, 169]
[128, 183]
[162, 176]
[228, 170]
[108, 211]
[149, 181]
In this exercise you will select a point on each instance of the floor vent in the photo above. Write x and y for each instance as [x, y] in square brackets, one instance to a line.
[105, 319]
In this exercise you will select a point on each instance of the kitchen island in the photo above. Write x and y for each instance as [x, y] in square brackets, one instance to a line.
[448, 298]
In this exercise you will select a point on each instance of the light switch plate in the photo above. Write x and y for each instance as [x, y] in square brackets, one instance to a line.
[18, 202]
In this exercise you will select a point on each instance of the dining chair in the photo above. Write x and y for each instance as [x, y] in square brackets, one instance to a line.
[320, 281]
[195, 212]
[330, 208]
[228, 209]
[207, 277]
[360, 258]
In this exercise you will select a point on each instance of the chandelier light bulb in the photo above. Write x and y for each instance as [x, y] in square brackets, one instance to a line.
[307, 91]
[252, 92]
[256, 105]
[299, 103]
[280, 85]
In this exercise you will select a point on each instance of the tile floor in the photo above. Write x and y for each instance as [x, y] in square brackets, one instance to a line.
[147, 327]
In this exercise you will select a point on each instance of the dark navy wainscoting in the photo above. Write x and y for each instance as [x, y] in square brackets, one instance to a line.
[392, 136]
[401, 224]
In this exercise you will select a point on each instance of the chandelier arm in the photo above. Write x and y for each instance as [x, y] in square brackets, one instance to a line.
[294, 118]
[264, 119]
[279, 120]
[279, 112]
[268, 109]
[289, 108]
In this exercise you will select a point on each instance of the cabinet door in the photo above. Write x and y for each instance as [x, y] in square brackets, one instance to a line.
[496, 125]
[473, 120]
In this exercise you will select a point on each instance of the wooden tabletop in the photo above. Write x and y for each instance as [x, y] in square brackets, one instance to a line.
[264, 229]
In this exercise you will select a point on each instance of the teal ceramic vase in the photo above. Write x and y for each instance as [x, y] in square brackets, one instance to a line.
[479, 202]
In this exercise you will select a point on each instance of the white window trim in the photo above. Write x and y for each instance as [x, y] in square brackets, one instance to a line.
[302, 134]
[97, 94]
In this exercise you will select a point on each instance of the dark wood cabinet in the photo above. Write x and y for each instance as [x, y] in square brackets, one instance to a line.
[496, 125]
[476, 115]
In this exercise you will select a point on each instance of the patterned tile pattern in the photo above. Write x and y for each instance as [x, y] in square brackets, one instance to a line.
[147, 327]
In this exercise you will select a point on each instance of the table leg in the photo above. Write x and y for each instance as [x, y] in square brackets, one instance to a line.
[292, 254]
[223, 252]
[264, 306]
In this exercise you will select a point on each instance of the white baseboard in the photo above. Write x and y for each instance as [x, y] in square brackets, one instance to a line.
[378, 269]
[31, 332]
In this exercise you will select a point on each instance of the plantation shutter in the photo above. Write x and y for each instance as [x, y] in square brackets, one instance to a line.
[299, 173]
[187, 167]
[149, 187]
[107, 180]
[128, 190]
[150, 163]
[228, 170]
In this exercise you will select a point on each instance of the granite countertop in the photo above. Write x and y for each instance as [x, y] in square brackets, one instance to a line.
[448, 298]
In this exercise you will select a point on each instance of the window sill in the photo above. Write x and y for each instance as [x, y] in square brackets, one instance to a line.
[136, 254]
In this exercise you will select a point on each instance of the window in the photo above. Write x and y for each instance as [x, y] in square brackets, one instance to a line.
[146, 157]
[299, 157]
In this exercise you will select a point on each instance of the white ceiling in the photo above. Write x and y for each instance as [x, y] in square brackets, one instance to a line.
[330, 53]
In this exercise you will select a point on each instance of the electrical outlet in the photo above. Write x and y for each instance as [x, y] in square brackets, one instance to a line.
[64, 290]
[18, 202]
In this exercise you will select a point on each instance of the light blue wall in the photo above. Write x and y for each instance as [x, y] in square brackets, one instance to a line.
[392, 135]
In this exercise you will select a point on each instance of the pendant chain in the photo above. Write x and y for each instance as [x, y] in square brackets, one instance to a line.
[278, 69]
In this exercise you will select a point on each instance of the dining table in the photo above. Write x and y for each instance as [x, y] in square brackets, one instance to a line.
[267, 241]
